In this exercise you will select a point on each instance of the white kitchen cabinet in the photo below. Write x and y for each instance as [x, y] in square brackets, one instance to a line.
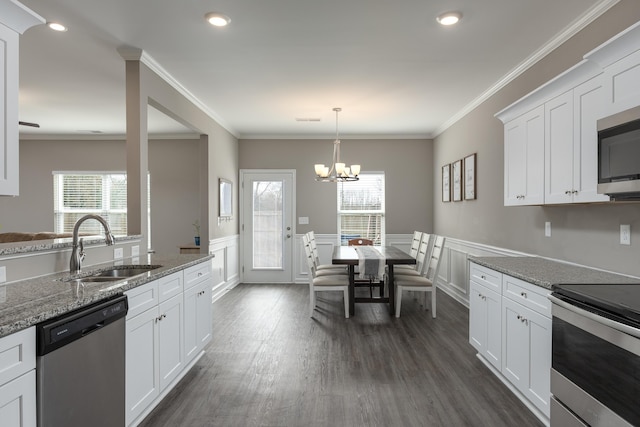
[154, 341]
[197, 309]
[18, 379]
[15, 19]
[526, 352]
[485, 320]
[571, 145]
[622, 88]
[142, 361]
[524, 159]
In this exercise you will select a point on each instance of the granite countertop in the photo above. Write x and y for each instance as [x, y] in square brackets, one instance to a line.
[546, 273]
[27, 302]
[54, 244]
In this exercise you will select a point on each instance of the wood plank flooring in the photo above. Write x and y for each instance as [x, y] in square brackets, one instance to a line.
[270, 364]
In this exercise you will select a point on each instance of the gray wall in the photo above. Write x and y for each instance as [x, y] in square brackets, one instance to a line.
[175, 201]
[407, 165]
[587, 234]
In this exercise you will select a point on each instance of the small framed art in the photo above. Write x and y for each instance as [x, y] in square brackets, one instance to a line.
[446, 183]
[225, 198]
[456, 178]
[470, 177]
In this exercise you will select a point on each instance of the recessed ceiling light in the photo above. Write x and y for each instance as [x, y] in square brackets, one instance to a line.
[56, 26]
[449, 18]
[217, 19]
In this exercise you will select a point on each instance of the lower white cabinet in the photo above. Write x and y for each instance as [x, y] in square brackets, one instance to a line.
[18, 379]
[168, 325]
[485, 323]
[526, 352]
[510, 326]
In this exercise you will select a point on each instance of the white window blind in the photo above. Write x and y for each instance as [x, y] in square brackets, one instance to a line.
[82, 193]
[361, 209]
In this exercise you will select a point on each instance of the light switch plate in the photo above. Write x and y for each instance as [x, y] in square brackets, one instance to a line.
[118, 253]
[547, 229]
[625, 234]
[303, 220]
[3, 274]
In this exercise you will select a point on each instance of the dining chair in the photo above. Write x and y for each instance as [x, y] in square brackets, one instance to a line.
[416, 241]
[360, 242]
[359, 283]
[423, 283]
[338, 282]
[309, 242]
[423, 255]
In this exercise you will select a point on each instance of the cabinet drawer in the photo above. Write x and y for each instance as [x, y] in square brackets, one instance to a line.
[142, 298]
[170, 286]
[196, 273]
[527, 294]
[17, 354]
[486, 277]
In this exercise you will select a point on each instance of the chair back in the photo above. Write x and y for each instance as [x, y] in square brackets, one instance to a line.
[309, 257]
[360, 242]
[423, 252]
[415, 243]
[314, 248]
[436, 256]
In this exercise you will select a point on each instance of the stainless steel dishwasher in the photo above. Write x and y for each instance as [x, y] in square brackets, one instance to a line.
[81, 367]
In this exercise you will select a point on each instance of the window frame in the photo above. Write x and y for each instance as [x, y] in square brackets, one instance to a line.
[381, 213]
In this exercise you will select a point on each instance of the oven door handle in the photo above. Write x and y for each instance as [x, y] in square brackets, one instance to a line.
[599, 319]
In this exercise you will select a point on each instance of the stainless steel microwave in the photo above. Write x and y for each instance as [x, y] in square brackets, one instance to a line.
[619, 155]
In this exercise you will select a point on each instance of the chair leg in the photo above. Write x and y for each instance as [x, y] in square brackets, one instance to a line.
[433, 302]
[398, 300]
[312, 300]
[346, 303]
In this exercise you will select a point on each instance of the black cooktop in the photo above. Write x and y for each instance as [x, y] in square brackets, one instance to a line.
[621, 301]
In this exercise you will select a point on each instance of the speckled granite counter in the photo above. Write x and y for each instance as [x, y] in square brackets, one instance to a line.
[546, 273]
[27, 302]
[54, 244]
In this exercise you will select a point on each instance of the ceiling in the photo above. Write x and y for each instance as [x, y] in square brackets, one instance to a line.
[393, 70]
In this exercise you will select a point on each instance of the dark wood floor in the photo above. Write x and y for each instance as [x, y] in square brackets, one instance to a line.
[270, 364]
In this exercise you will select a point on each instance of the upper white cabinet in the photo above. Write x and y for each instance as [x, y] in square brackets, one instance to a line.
[524, 159]
[15, 19]
[604, 83]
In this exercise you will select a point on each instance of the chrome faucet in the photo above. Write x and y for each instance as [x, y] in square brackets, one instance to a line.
[75, 263]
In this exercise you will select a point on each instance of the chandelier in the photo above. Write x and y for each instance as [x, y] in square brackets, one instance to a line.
[338, 171]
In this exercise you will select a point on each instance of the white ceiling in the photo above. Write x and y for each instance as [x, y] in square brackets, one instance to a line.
[388, 64]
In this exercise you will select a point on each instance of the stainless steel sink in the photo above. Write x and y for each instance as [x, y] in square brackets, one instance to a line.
[114, 274]
[123, 271]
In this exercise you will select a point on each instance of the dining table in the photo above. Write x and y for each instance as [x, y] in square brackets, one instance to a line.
[347, 255]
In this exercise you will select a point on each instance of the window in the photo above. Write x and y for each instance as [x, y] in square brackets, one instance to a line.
[361, 209]
[81, 193]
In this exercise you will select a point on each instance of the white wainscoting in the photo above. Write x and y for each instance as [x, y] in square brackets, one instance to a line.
[225, 267]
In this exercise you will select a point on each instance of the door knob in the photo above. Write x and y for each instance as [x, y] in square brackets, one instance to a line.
[288, 236]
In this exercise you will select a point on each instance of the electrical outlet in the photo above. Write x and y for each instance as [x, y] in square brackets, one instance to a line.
[3, 274]
[547, 229]
[118, 253]
[625, 234]
[135, 250]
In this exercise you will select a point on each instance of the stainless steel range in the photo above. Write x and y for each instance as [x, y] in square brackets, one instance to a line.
[595, 375]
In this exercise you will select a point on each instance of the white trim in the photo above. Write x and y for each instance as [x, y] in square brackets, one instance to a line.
[225, 265]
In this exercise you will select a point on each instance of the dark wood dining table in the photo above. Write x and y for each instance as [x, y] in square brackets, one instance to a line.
[347, 255]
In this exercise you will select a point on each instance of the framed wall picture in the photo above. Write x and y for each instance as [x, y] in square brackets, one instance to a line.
[456, 178]
[470, 177]
[226, 198]
[446, 183]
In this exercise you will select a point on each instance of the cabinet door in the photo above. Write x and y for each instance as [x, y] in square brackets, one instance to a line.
[524, 159]
[197, 318]
[18, 401]
[477, 317]
[559, 149]
[204, 317]
[142, 373]
[526, 356]
[8, 112]
[589, 103]
[622, 79]
[170, 340]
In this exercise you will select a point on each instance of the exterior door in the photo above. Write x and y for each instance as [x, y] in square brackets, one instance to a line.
[267, 227]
